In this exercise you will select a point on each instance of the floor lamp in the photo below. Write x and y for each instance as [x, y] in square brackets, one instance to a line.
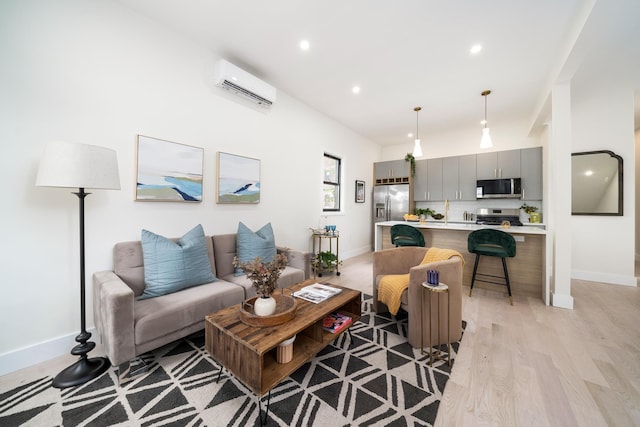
[81, 166]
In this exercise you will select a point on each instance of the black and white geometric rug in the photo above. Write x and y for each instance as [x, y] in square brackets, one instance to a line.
[373, 379]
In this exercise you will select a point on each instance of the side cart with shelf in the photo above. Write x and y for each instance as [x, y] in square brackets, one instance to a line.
[325, 260]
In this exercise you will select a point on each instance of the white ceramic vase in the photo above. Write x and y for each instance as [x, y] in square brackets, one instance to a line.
[264, 306]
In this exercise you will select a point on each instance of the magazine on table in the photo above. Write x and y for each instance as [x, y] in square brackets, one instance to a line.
[317, 293]
[336, 322]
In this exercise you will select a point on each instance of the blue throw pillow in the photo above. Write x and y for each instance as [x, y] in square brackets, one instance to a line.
[250, 244]
[171, 266]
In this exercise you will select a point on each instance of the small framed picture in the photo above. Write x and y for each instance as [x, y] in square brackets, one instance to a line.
[359, 191]
[238, 179]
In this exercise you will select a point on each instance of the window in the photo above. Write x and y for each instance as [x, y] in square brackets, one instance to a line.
[331, 184]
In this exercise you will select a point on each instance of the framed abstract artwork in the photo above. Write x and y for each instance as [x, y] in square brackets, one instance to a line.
[238, 179]
[168, 171]
[359, 191]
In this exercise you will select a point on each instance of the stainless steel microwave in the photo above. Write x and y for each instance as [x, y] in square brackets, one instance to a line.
[502, 188]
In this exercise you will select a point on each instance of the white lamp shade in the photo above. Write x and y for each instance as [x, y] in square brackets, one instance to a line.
[486, 142]
[70, 165]
[417, 149]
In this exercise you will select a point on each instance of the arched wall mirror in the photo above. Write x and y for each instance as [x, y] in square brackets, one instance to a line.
[596, 183]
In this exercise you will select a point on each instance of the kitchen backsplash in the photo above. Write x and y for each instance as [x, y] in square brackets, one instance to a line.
[457, 208]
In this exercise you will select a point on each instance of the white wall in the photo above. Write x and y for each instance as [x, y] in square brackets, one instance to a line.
[602, 108]
[603, 247]
[559, 145]
[95, 72]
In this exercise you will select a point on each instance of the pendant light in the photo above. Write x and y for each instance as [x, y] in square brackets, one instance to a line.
[417, 148]
[485, 142]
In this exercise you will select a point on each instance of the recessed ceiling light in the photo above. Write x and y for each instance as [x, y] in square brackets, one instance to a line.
[476, 48]
[304, 45]
[483, 122]
[409, 135]
[355, 89]
[588, 173]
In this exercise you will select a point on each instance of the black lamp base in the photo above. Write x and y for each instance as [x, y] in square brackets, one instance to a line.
[84, 369]
[80, 372]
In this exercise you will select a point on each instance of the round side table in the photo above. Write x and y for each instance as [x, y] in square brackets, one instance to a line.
[436, 354]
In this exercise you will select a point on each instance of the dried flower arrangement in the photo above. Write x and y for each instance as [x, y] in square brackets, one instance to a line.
[264, 275]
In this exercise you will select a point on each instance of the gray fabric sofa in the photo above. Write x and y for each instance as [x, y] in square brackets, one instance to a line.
[129, 328]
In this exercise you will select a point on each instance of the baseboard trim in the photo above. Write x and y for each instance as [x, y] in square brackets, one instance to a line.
[38, 353]
[355, 252]
[606, 278]
[562, 301]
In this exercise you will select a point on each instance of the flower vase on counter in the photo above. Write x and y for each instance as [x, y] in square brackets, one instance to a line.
[534, 217]
[532, 211]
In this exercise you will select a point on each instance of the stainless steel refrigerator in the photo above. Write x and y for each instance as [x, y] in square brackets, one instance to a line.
[390, 202]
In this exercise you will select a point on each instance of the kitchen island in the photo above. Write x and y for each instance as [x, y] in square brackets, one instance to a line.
[526, 269]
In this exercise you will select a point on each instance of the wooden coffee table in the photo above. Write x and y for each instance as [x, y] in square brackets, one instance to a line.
[249, 352]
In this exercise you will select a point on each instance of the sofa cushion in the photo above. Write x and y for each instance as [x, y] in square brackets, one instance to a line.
[252, 244]
[160, 316]
[172, 266]
[128, 263]
[224, 249]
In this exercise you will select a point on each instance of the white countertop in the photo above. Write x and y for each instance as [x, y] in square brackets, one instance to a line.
[470, 226]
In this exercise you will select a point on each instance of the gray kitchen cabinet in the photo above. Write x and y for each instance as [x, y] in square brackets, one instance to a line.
[498, 164]
[427, 182]
[434, 180]
[509, 164]
[486, 165]
[467, 177]
[459, 177]
[531, 173]
[394, 171]
[454, 178]
[450, 171]
[420, 181]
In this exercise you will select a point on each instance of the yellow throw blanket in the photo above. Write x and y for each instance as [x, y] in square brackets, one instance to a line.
[392, 286]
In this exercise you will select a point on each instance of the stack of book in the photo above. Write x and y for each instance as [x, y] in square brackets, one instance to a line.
[336, 322]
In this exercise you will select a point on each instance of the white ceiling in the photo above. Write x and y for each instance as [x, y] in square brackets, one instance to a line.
[401, 53]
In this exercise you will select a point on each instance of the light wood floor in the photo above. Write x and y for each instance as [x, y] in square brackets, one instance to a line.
[533, 365]
[521, 365]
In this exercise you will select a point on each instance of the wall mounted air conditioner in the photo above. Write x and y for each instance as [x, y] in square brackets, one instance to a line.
[238, 81]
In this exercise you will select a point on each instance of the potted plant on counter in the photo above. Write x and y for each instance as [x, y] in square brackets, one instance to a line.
[534, 216]
[423, 214]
